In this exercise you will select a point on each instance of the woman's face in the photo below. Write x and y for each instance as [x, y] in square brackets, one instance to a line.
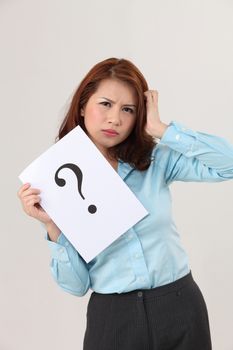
[112, 106]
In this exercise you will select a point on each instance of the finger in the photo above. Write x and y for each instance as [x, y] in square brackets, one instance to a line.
[151, 94]
[32, 211]
[147, 96]
[31, 200]
[29, 192]
[30, 206]
[23, 188]
[154, 96]
[154, 93]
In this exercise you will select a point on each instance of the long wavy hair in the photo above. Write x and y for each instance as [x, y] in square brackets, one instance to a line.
[136, 149]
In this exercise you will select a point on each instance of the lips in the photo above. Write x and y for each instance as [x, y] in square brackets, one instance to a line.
[111, 131]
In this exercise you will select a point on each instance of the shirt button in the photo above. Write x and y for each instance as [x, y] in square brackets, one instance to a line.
[61, 250]
[67, 243]
[140, 294]
[130, 236]
[177, 137]
[137, 255]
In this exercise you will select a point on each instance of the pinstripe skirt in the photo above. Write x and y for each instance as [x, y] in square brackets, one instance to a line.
[169, 317]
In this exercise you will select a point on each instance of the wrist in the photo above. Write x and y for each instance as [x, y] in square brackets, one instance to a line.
[160, 131]
[53, 231]
[51, 226]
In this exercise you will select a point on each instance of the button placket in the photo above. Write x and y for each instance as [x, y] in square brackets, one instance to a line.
[130, 236]
[137, 260]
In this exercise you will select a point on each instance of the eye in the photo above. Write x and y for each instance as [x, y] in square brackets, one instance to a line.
[104, 102]
[130, 109]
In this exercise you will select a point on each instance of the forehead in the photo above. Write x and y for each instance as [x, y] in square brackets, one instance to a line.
[116, 89]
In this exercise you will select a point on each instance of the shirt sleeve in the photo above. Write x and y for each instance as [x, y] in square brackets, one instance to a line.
[196, 156]
[68, 268]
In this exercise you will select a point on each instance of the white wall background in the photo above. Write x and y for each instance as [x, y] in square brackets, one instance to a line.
[185, 50]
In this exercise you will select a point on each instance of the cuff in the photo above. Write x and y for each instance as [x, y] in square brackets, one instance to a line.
[178, 137]
[58, 249]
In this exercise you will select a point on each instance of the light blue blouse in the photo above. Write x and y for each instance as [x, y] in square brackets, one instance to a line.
[149, 254]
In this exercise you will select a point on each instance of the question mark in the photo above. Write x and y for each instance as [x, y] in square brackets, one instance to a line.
[61, 182]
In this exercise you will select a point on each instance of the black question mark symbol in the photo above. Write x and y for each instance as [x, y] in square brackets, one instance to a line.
[61, 182]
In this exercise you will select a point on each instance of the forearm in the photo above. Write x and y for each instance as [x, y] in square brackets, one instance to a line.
[68, 268]
[195, 156]
[53, 231]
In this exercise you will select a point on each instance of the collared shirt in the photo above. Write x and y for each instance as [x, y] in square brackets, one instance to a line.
[149, 254]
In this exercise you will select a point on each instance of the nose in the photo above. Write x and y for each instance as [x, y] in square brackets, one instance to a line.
[114, 118]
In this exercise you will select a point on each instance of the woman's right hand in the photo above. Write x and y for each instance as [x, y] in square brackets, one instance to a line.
[30, 202]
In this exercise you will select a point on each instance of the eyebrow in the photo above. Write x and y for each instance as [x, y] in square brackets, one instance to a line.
[115, 102]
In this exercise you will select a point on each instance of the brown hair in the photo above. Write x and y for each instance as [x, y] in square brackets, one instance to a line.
[136, 149]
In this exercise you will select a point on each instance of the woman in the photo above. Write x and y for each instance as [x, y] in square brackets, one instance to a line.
[144, 295]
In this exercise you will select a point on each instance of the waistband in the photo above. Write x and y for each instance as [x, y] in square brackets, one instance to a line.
[153, 292]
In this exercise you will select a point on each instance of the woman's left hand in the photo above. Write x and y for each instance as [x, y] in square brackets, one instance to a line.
[154, 126]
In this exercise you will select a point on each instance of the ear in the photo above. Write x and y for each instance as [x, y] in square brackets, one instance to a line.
[82, 112]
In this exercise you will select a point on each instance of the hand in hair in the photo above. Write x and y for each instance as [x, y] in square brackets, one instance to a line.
[154, 126]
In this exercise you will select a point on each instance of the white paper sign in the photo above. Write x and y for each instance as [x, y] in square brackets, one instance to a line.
[83, 194]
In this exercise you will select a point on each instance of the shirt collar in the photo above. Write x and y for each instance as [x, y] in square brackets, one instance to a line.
[124, 169]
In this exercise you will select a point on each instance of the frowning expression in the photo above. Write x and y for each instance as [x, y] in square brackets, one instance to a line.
[110, 113]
